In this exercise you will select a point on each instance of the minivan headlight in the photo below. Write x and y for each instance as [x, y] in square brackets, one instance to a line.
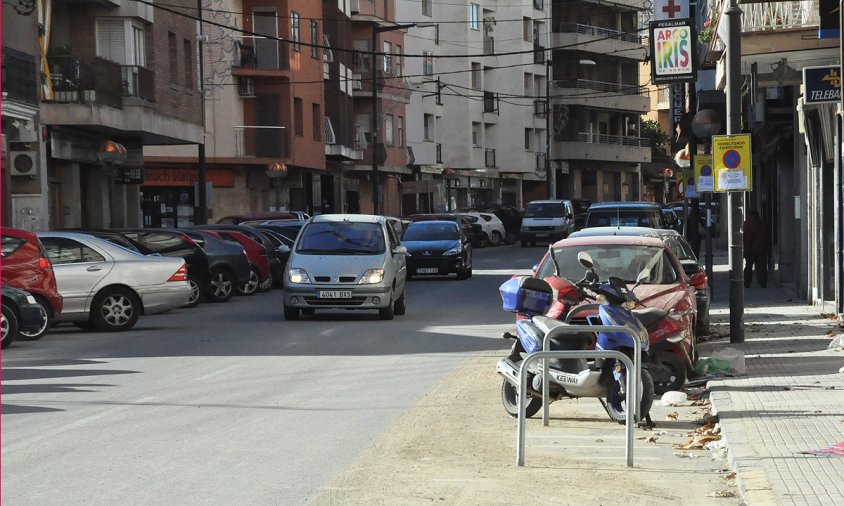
[372, 276]
[298, 276]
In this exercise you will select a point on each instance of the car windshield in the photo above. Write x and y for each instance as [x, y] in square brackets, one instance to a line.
[544, 210]
[618, 260]
[622, 218]
[431, 232]
[342, 238]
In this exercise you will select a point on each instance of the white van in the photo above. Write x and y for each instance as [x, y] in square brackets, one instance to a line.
[346, 261]
[546, 221]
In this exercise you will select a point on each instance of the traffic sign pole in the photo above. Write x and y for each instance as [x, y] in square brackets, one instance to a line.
[735, 198]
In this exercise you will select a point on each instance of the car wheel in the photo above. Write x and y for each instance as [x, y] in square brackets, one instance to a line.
[462, 273]
[220, 286]
[115, 309]
[496, 238]
[400, 306]
[195, 292]
[386, 313]
[483, 241]
[291, 313]
[250, 286]
[267, 285]
[9, 326]
[46, 323]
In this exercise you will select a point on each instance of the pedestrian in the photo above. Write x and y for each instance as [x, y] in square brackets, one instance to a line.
[692, 227]
[756, 249]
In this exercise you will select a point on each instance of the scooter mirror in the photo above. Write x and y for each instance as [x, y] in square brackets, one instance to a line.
[645, 274]
[585, 260]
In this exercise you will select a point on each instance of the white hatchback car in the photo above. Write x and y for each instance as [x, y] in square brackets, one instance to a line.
[346, 261]
[491, 226]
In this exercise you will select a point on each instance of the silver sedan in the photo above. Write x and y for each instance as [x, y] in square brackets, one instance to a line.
[107, 287]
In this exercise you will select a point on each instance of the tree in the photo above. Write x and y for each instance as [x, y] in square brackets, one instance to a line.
[660, 140]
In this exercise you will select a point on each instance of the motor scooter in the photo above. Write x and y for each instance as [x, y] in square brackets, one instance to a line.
[574, 378]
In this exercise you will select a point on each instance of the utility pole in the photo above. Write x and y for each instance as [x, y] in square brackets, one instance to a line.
[735, 214]
[202, 214]
[550, 178]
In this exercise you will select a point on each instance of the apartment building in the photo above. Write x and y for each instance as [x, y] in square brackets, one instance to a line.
[117, 71]
[263, 83]
[597, 100]
[476, 119]
[24, 177]
[794, 152]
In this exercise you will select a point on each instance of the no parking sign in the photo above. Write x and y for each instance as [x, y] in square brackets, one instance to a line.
[731, 164]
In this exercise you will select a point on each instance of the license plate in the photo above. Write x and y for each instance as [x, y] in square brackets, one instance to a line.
[541, 235]
[335, 294]
[427, 270]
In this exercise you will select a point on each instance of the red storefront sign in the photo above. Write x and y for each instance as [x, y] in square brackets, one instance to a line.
[187, 177]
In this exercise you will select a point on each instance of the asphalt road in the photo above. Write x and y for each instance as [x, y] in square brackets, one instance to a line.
[228, 403]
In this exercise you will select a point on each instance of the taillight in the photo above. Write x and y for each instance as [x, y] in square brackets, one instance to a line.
[180, 275]
[44, 263]
[188, 240]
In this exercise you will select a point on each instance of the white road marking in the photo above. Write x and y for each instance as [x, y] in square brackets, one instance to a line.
[217, 373]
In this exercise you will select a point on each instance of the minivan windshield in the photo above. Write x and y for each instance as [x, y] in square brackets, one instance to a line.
[341, 238]
[544, 210]
[623, 218]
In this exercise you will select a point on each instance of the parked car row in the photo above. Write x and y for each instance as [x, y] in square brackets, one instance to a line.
[105, 280]
[482, 228]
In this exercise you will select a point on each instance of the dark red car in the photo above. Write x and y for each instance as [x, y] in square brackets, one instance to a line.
[25, 266]
[256, 253]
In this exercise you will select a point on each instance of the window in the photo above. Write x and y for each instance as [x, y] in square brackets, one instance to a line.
[174, 58]
[427, 8]
[527, 31]
[294, 30]
[398, 60]
[476, 75]
[476, 134]
[427, 63]
[388, 130]
[11, 244]
[528, 85]
[121, 40]
[317, 121]
[401, 131]
[528, 135]
[388, 57]
[298, 128]
[139, 56]
[189, 77]
[474, 16]
[314, 39]
[429, 127]
[61, 250]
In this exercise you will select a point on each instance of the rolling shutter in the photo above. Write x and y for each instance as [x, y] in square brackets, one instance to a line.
[111, 39]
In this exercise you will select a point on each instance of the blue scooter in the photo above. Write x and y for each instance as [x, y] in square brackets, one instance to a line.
[601, 379]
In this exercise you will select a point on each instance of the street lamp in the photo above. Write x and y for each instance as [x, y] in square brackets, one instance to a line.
[111, 153]
[375, 122]
[276, 171]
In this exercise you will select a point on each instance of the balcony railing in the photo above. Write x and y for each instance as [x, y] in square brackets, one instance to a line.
[265, 54]
[779, 15]
[538, 53]
[585, 84]
[540, 161]
[595, 31]
[86, 81]
[261, 142]
[330, 138]
[489, 45]
[19, 76]
[439, 151]
[489, 158]
[619, 140]
[138, 82]
[490, 101]
[539, 107]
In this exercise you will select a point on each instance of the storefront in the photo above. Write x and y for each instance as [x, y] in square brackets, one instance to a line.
[169, 196]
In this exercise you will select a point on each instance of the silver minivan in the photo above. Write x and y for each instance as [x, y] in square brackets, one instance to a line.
[546, 221]
[346, 261]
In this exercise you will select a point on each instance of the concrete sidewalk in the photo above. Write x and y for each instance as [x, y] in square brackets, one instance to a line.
[791, 400]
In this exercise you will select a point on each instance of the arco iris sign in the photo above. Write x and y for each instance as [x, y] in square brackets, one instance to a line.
[673, 51]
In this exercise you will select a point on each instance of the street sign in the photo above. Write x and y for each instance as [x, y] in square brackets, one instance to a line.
[822, 84]
[672, 51]
[731, 162]
[704, 180]
[671, 9]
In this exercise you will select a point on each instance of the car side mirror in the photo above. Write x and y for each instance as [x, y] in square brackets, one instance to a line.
[283, 249]
[534, 269]
[400, 250]
[698, 280]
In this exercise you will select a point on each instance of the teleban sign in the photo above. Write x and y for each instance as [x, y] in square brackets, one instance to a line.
[731, 162]
[672, 51]
[822, 84]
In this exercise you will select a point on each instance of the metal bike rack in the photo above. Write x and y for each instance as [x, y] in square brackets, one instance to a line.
[577, 329]
[542, 355]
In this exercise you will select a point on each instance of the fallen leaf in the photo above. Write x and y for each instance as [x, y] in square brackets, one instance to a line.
[831, 333]
[730, 476]
[652, 439]
[672, 416]
[723, 493]
[599, 440]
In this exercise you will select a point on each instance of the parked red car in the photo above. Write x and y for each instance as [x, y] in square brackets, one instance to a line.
[25, 266]
[256, 253]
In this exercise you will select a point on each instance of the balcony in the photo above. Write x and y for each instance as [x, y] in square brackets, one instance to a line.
[625, 97]
[86, 81]
[19, 76]
[490, 102]
[489, 45]
[598, 40]
[256, 55]
[538, 54]
[138, 82]
[489, 158]
[593, 146]
[261, 142]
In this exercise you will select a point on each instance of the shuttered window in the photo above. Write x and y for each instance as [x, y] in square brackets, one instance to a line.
[111, 39]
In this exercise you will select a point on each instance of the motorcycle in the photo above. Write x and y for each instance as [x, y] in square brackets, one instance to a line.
[574, 378]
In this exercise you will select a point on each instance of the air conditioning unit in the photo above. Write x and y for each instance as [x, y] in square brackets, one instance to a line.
[357, 82]
[23, 163]
[246, 87]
